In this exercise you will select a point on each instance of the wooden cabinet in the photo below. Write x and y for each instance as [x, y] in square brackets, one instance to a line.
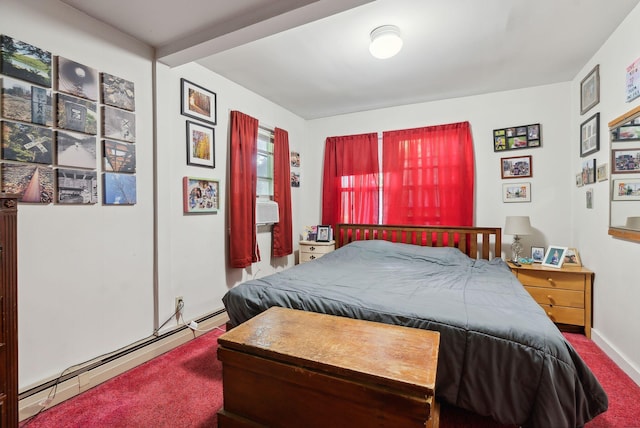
[8, 312]
[565, 294]
[311, 250]
[290, 368]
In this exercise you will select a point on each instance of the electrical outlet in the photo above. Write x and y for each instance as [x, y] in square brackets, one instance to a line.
[179, 307]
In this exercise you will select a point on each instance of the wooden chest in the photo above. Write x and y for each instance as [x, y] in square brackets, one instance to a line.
[290, 368]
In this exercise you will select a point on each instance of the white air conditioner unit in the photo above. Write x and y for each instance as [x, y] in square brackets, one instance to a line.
[266, 212]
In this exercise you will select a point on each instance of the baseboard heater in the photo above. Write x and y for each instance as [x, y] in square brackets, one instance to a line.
[135, 347]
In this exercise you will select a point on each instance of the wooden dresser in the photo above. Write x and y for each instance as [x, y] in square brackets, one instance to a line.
[8, 311]
[291, 368]
[565, 293]
[311, 250]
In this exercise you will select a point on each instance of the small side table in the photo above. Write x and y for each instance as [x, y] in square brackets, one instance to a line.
[311, 250]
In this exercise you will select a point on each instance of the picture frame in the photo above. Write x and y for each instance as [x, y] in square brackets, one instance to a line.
[589, 171]
[77, 186]
[632, 81]
[601, 172]
[625, 189]
[200, 145]
[579, 182]
[200, 195]
[537, 254]
[25, 102]
[24, 61]
[77, 114]
[629, 132]
[590, 90]
[198, 102]
[118, 156]
[554, 257]
[323, 233]
[118, 124]
[516, 167]
[516, 192]
[590, 135]
[589, 198]
[119, 189]
[295, 159]
[625, 161]
[76, 150]
[27, 143]
[295, 179]
[572, 258]
[118, 92]
[517, 137]
[17, 177]
[77, 79]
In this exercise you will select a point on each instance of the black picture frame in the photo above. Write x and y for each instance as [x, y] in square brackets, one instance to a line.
[517, 137]
[197, 102]
[590, 90]
[201, 145]
[590, 135]
[323, 233]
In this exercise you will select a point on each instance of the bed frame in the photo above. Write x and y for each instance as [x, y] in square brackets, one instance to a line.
[475, 242]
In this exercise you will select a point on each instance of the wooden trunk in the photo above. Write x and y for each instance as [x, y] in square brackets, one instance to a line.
[290, 368]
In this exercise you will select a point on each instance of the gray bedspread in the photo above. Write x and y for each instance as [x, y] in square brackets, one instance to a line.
[500, 355]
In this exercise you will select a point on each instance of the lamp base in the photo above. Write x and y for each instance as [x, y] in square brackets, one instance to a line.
[516, 249]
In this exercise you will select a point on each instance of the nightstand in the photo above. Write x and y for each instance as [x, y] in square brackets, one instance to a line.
[564, 293]
[311, 250]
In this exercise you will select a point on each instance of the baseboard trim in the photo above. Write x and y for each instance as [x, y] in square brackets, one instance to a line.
[31, 405]
[618, 357]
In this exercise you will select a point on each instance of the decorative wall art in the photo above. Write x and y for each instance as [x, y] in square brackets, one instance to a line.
[601, 172]
[295, 159]
[200, 145]
[517, 137]
[119, 189]
[579, 182]
[589, 171]
[26, 143]
[76, 150]
[633, 81]
[77, 186]
[25, 61]
[200, 195]
[625, 161]
[590, 135]
[628, 132]
[33, 183]
[77, 114]
[626, 190]
[516, 167]
[118, 92]
[516, 192]
[118, 124]
[590, 90]
[118, 156]
[25, 102]
[295, 179]
[589, 196]
[77, 79]
[198, 102]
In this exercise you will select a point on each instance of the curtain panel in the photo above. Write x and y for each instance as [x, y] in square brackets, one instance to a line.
[282, 231]
[243, 242]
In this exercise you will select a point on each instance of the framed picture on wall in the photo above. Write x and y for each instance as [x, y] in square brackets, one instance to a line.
[197, 102]
[516, 167]
[590, 90]
[590, 135]
[625, 161]
[200, 145]
[516, 192]
[200, 195]
[626, 190]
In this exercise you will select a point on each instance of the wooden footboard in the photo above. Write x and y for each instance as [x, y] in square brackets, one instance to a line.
[475, 242]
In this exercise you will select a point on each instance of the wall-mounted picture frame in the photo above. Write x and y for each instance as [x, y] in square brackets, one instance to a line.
[295, 159]
[572, 258]
[118, 92]
[295, 179]
[201, 148]
[77, 186]
[625, 161]
[554, 256]
[25, 102]
[589, 198]
[200, 195]
[517, 137]
[118, 156]
[589, 171]
[633, 81]
[77, 79]
[25, 61]
[516, 167]
[627, 133]
[119, 189]
[118, 124]
[590, 90]
[516, 192]
[579, 182]
[590, 135]
[26, 143]
[537, 254]
[32, 183]
[198, 102]
[602, 173]
[77, 114]
[626, 189]
[323, 233]
[76, 150]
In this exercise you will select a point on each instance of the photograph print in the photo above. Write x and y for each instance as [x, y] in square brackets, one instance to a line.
[25, 61]
[625, 161]
[626, 190]
[118, 124]
[200, 195]
[516, 167]
[118, 156]
[589, 171]
[119, 189]
[77, 114]
[32, 183]
[200, 145]
[197, 102]
[537, 254]
[516, 192]
[590, 90]
[590, 135]
[27, 143]
[25, 102]
[76, 150]
[77, 79]
[554, 256]
[118, 92]
[76, 186]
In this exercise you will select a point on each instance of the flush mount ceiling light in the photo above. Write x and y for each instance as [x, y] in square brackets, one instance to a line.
[385, 41]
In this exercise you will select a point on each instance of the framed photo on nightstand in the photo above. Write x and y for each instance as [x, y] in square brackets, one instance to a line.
[554, 256]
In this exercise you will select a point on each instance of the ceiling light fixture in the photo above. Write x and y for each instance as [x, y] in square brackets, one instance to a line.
[385, 41]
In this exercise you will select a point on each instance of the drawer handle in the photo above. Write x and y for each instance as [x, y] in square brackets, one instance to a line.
[312, 257]
[312, 248]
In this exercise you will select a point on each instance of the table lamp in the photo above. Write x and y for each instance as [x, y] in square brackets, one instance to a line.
[517, 226]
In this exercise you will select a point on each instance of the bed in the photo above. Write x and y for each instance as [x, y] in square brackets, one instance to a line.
[500, 355]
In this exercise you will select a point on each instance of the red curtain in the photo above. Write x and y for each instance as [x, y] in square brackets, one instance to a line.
[350, 182]
[243, 243]
[282, 231]
[428, 176]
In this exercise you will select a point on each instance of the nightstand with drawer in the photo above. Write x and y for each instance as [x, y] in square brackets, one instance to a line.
[311, 250]
[564, 293]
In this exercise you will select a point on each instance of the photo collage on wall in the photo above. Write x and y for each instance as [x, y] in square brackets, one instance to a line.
[50, 132]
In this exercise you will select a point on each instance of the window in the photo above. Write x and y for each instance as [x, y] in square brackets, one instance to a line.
[264, 164]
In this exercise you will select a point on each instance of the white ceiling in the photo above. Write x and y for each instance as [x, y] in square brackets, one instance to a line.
[311, 57]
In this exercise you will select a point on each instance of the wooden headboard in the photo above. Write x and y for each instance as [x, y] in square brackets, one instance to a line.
[475, 242]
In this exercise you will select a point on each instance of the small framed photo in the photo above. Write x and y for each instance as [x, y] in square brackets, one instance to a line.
[589, 196]
[197, 102]
[537, 254]
[601, 172]
[579, 182]
[590, 135]
[323, 233]
[590, 90]
[295, 159]
[295, 179]
[200, 145]
[200, 195]
[589, 171]
[119, 189]
[625, 161]
[628, 133]
[516, 167]
[626, 190]
[554, 256]
[77, 79]
[572, 258]
[516, 192]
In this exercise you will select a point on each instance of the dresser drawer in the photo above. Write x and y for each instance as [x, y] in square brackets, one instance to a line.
[560, 280]
[316, 249]
[559, 297]
[565, 315]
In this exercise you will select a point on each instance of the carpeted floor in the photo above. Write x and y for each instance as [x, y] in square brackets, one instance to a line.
[183, 388]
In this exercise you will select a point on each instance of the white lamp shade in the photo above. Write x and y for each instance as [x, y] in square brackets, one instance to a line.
[385, 41]
[518, 225]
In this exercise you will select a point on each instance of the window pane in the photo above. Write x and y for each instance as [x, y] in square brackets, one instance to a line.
[263, 165]
[264, 187]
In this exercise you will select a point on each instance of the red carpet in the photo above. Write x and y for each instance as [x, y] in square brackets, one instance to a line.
[183, 388]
